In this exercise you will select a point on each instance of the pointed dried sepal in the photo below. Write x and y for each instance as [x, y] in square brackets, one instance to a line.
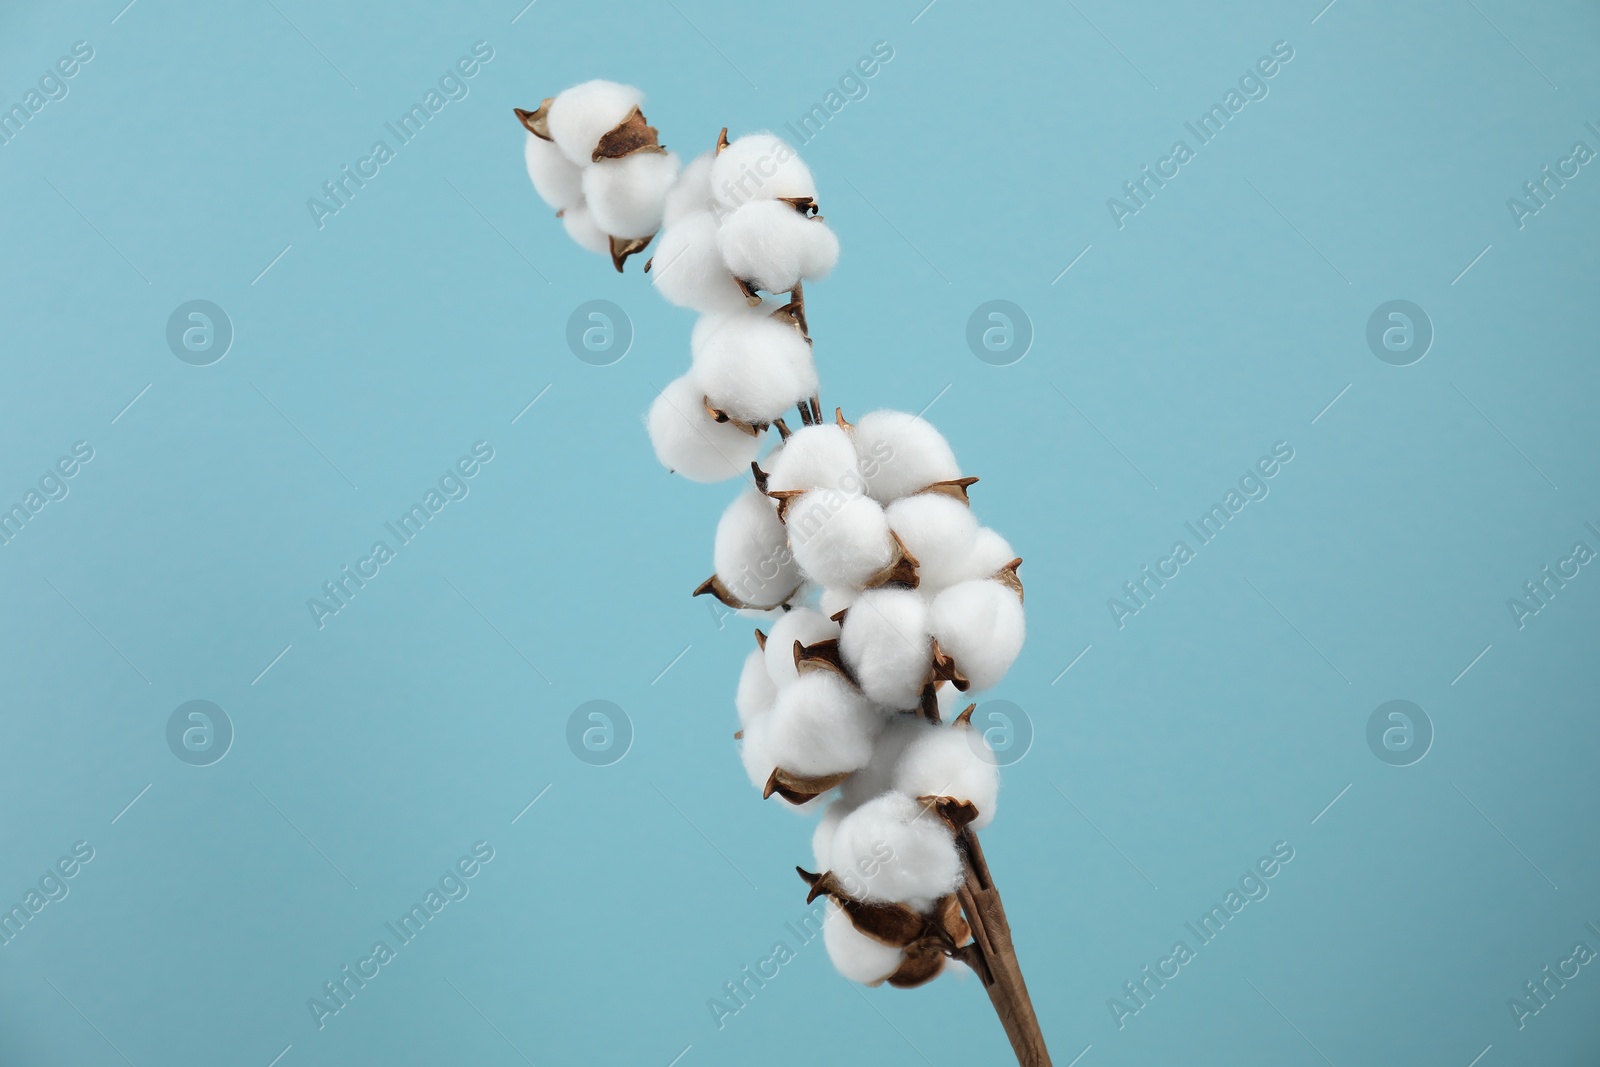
[839, 615]
[761, 642]
[536, 122]
[928, 705]
[799, 788]
[785, 497]
[751, 297]
[902, 569]
[793, 314]
[965, 718]
[954, 488]
[890, 924]
[950, 922]
[1008, 577]
[754, 429]
[945, 669]
[632, 134]
[722, 140]
[844, 424]
[623, 247]
[759, 475]
[805, 205]
[956, 813]
[783, 428]
[922, 964]
[822, 656]
[714, 586]
[738, 735]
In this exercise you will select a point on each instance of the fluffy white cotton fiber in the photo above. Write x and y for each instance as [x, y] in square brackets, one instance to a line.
[691, 192]
[583, 114]
[821, 725]
[753, 366]
[839, 539]
[688, 441]
[836, 598]
[918, 455]
[854, 954]
[557, 180]
[687, 269]
[815, 457]
[759, 167]
[773, 247]
[989, 552]
[626, 195]
[940, 532]
[822, 836]
[895, 850]
[878, 774]
[947, 761]
[756, 691]
[755, 753]
[801, 624]
[581, 227]
[979, 624]
[885, 643]
[751, 552]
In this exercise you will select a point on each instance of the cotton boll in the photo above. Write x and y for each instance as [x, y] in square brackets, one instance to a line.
[756, 753]
[885, 643]
[855, 955]
[751, 552]
[691, 192]
[688, 270]
[839, 539]
[802, 624]
[988, 553]
[939, 531]
[822, 836]
[836, 598]
[557, 180]
[821, 725]
[756, 691]
[774, 247]
[626, 195]
[580, 226]
[893, 850]
[688, 441]
[583, 114]
[902, 453]
[754, 367]
[759, 167]
[815, 457]
[945, 761]
[979, 623]
[876, 777]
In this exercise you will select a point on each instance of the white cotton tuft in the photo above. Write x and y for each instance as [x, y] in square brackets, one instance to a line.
[580, 226]
[626, 195]
[855, 955]
[759, 167]
[839, 539]
[822, 836]
[821, 725]
[755, 753]
[836, 598]
[687, 269]
[756, 691]
[753, 367]
[939, 531]
[805, 625]
[688, 441]
[751, 552]
[979, 624]
[583, 114]
[878, 775]
[949, 761]
[901, 454]
[773, 247]
[885, 642]
[988, 554]
[557, 180]
[690, 193]
[891, 849]
[816, 457]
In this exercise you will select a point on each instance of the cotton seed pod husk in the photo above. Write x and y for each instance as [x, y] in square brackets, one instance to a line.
[855, 955]
[804, 625]
[580, 116]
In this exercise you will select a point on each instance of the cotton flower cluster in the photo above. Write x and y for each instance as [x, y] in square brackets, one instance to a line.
[883, 597]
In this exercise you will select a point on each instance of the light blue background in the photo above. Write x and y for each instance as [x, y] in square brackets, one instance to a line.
[425, 716]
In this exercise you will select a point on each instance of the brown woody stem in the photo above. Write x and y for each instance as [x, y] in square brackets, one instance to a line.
[1000, 973]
